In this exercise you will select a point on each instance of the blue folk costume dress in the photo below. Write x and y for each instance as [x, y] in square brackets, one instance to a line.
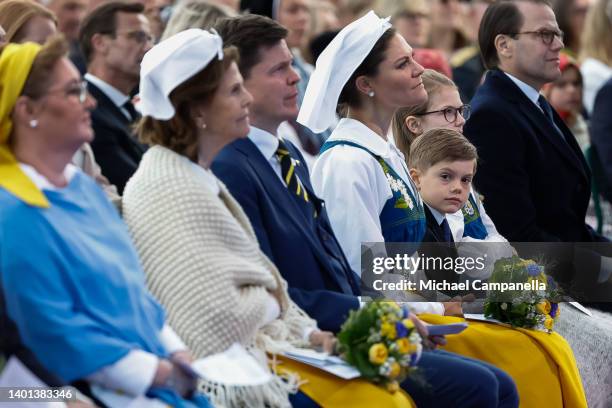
[74, 285]
[402, 218]
[368, 191]
[473, 225]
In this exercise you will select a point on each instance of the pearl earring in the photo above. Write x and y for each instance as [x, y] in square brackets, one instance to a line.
[371, 94]
[203, 125]
[34, 123]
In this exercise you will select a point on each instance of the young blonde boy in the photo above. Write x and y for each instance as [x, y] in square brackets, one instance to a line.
[442, 164]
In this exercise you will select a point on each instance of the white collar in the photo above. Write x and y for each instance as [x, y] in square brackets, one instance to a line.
[437, 214]
[41, 182]
[115, 95]
[266, 142]
[354, 131]
[528, 90]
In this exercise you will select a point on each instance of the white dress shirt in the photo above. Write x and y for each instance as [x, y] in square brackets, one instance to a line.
[267, 144]
[457, 224]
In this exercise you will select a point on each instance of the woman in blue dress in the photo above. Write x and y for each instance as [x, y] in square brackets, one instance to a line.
[71, 278]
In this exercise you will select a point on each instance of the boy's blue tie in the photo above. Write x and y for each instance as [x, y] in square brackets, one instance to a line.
[446, 231]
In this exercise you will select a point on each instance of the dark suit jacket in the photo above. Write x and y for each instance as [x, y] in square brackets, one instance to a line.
[601, 140]
[536, 186]
[301, 249]
[115, 147]
[434, 245]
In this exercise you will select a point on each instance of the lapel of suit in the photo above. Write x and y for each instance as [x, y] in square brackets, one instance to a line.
[433, 225]
[569, 148]
[119, 120]
[302, 172]
[281, 196]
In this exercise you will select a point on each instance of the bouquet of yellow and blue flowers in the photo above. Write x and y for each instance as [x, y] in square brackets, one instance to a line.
[381, 341]
[532, 309]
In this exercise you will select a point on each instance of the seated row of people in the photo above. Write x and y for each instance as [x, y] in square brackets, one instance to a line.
[215, 274]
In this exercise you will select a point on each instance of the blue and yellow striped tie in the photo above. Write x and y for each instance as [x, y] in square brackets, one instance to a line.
[288, 171]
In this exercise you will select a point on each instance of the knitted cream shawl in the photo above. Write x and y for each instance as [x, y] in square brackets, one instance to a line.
[202, 261]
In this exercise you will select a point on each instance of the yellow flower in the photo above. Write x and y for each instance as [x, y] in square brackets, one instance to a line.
[544, 307]
[388, 330]
[395, 370]
[548, 323]
[403, 345]
[393, 387]
[378, 353]
[408, 324]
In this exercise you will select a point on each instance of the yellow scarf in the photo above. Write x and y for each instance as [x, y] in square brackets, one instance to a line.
[15, 63]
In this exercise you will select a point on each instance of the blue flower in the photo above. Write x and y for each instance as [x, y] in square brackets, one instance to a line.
[413, 359]
[554, 307]
[405, 311]
[551, 283]
[533, 270]
[401, 330]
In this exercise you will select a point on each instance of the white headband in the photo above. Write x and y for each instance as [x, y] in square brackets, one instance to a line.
[335, 65]
[172, 62]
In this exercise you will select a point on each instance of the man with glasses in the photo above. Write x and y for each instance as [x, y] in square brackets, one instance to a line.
[532, 173]
[114, 39]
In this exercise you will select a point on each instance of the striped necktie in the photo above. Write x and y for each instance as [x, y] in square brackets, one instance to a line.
[288, 171]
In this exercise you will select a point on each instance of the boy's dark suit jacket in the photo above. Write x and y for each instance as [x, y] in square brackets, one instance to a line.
[440, 249]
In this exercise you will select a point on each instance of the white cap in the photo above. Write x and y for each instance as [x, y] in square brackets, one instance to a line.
[170, 63]
[335, 65]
